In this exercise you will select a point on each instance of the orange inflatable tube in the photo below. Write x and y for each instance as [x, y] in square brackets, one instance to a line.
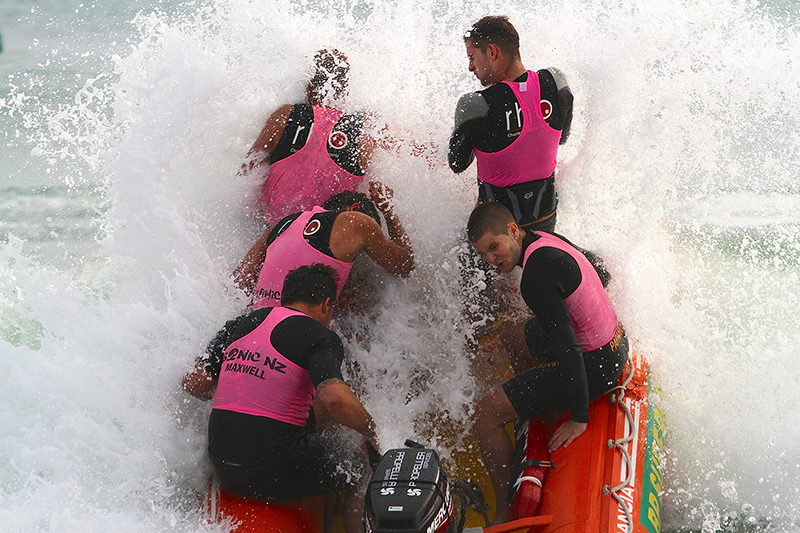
[609, 479]
[306, 516]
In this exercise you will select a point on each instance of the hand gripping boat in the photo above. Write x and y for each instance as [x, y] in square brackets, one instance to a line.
[607, 481]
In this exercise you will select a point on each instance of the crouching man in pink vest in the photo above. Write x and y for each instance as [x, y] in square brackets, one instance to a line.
[268, 367]
[347, 224]
[575, 337]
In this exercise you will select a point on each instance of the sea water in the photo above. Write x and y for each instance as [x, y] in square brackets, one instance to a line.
[122, 215]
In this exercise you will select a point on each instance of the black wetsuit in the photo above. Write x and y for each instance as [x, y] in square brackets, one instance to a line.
[480, 124]
[564, 377]
[263, 458]
[346, 132]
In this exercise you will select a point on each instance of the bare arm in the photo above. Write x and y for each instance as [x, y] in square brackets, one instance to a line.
[199, 383]
[346, 408]
[246, 274]
[396, 258]
[354, 231]
[366, 149]
[395, 253]
[270, 134]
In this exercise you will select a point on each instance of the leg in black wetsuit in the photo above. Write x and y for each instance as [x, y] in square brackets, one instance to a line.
[540, 391]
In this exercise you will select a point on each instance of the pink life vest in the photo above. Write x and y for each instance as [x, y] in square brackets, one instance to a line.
[289, 251]
[309, 176]
[593, 318]
[257, 380]
[532, 156]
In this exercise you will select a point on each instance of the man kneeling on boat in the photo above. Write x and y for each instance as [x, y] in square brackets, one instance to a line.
[268, 367]
[579, 344]
[335, 234]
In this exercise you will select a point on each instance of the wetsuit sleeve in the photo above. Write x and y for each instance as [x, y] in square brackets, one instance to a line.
[295, 132]
[549, 277]
[599, 266]
[281, 226]
[211, 360]
[471, 112]
[555, 89]
[325, 359]
[347, 156]
[310, 345]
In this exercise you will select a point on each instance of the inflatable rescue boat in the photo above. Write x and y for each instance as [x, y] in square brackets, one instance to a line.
[607, 481]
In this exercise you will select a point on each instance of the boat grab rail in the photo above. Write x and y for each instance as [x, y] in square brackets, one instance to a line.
[620, 444]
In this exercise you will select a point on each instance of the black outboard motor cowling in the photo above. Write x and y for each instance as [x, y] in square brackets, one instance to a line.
[409, 493]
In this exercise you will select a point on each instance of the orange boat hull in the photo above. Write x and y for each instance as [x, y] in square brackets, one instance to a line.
[609, 479]
[306, 516]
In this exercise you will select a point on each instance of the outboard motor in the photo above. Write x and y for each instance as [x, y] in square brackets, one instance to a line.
[409, 493]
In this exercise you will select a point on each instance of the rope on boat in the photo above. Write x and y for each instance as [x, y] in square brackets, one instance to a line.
[620, 444]
[535, 480]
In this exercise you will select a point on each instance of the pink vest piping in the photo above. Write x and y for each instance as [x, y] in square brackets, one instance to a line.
[309, 176]
[532, 156]
[289, 251]
[257, 380]
[593, 318]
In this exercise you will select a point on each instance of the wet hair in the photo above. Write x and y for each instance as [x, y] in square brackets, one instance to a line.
[343, 200]
[494, 30]
[310, 284]
[330, 78]
[486, 217]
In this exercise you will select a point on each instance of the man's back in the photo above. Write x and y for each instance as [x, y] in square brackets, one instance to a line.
[291, 346]
[565, 292]
[342, 146]
[333, 236]
[297, 240]
[486, 120]
[318, 155]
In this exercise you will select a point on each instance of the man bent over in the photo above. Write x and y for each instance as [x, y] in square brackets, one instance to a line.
[268, 367]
